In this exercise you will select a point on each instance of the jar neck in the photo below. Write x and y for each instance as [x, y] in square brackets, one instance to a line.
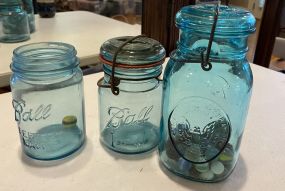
[135, 86]
[133, 73]
[192, 44]
[41, 61]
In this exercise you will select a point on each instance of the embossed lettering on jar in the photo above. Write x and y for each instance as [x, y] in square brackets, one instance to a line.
[48, 100]
[129, 121]
[204, 112]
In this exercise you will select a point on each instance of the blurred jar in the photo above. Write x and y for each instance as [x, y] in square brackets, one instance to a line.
[46, 8]
[129, 121]
[48, 99]
[29, 7]
[205, 107]
[13, 22]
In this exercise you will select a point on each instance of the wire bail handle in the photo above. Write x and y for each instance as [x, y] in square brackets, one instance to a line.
[114, 81]
[205, 62]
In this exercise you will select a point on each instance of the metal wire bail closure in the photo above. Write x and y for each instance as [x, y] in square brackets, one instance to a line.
[114, 81]
[205, 62]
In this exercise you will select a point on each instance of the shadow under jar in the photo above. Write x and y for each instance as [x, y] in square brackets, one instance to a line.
[47, 88]
[205, 109]
[129, 121]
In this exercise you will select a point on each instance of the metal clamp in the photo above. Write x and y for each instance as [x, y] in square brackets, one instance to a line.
[114, 81]
[205, 62]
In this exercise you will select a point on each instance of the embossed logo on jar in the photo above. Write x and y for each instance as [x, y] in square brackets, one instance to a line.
[199, 129]
[23, 113]
[125, 116]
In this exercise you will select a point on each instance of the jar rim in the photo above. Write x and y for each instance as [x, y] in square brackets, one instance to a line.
[231, 20]
[70, 50]
[43, 57]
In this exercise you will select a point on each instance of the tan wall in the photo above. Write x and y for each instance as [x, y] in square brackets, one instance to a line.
[251, 5]
[241, 3]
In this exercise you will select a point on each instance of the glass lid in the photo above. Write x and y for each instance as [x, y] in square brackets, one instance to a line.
[140, 52]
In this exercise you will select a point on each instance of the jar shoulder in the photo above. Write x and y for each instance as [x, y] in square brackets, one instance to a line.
[134, 86]
[234, 72]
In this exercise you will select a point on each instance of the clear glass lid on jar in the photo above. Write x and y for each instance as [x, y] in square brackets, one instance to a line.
[130, 94]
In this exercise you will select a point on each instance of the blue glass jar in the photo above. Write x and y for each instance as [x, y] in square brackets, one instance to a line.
[48, 99]
[204, 111]
[29, 7]
[129, 121]
[13, 22]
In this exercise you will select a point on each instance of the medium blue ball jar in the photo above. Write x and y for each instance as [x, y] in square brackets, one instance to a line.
[130, 114]
[47, 89]
[205, 109]
[13, 22]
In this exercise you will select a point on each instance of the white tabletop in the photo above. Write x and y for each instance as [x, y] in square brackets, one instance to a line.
[85, 30]
[259, 168]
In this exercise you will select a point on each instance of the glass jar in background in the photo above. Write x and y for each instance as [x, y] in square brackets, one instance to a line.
[47, 89]
[46, 8]
[205, 108]
[29, 7]
[129, 121]
[13, 22]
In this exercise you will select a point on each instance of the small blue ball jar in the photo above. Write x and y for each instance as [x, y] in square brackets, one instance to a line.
[204, 110]
[13, 22]
[129, 121]
[47, 89]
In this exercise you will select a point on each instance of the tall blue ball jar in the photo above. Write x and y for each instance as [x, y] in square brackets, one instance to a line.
[48, 99]
[204, 110]
[130, 120]
[13, 22]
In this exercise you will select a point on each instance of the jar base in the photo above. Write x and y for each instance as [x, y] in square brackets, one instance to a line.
[53, 142]
[74, 151]
[127, 152]
[171, 170]
[13, 39]
[131, 139]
